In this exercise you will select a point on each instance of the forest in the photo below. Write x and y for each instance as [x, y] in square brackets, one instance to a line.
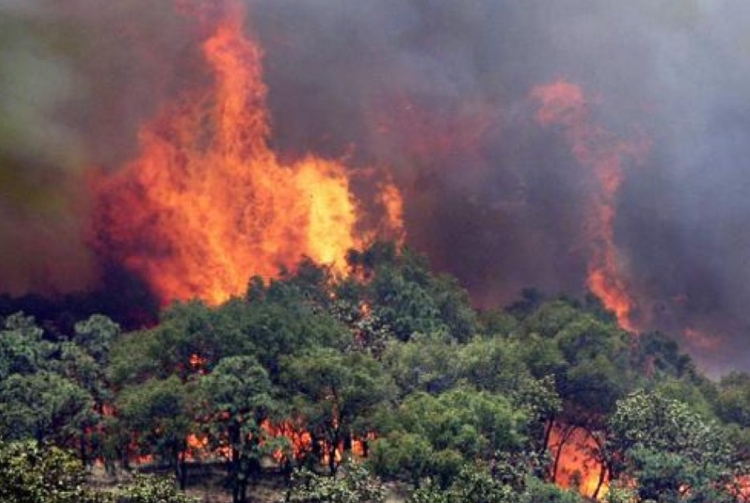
[383, 384]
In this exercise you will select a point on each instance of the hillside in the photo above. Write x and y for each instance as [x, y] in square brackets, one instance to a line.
[389, 367]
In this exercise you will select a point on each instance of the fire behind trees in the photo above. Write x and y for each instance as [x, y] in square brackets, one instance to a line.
[391, 366]
[503, 140]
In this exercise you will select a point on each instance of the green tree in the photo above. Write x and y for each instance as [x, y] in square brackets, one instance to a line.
[674, 454]
[335, 393]
[424, 363]
[159, 413]
[403, 454]
[23, 349]
[497, 365]
[96, 335]
[733, 405]
[432, 436]
[43, 406]
[238, 398]
[408, 298]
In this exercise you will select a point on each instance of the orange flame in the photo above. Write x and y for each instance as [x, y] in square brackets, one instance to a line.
[208, 204]
[564, 104]
[577, 466]
[198, 363]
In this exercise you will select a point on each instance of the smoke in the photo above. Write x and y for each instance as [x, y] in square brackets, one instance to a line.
[77, 78]
[438, 92]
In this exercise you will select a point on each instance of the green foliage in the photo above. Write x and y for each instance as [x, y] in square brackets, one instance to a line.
[148, 489]
[238, 387]
[620, 493]
[429, 436]
[409, 299]
[39, 397]
[96, 336]
[353, 485]
[335, 392]
[475, 484]
[424, 363]
[237, 398]
[403, 453]
[42, 406]
[734, 399]
[30, 473]
[670, 450]
[457, 403]
[498, 323]
[658, 354]
[550, 318]
[497, 366]
[158, 412]
[23, 350]
[538, 491]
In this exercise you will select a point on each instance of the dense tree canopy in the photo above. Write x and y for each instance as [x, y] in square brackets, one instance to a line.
[389, 365]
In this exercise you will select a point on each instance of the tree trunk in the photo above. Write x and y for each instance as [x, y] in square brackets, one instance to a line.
[82, 447]
[234, 462]
[600, 482]
[183, 470]
[125, 457]
[335, 440]
[603, 468]
[547, 433]
[332, 459]
[243, 491]
[563, 440]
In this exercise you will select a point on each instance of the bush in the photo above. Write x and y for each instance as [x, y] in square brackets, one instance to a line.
[149, 489]
[475, 484]
[33, 473]
[354, 484]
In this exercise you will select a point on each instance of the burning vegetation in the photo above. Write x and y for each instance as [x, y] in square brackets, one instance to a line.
[390, 369]
[256, 246]
[208, 204]
[564, 104]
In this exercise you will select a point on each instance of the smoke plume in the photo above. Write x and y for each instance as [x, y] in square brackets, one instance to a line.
[440, 93]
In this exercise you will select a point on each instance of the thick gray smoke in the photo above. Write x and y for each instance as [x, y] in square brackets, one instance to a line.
[77, 77]
[439, 92]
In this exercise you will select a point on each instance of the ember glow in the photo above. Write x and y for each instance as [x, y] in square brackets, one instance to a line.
[208, 204]
[564, 104]
[575, 463]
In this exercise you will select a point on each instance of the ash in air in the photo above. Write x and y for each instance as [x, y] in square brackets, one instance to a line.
[441, 95]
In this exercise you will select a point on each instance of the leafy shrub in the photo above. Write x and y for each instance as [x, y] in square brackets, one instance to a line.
[354, 484]
[149, 489]
[33, 473]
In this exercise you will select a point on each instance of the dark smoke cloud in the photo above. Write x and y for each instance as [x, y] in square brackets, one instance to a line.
[506, 210]
[77, 77]
[438, 91]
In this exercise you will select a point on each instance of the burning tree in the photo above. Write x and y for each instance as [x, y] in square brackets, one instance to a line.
[239, 398]
[335, 393]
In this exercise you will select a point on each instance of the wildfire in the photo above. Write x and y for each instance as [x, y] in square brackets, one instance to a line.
[595, 148]
[208, 204]
[576, 465]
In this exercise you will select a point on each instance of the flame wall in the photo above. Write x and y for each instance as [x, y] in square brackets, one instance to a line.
[207, 204]
[440, 94]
